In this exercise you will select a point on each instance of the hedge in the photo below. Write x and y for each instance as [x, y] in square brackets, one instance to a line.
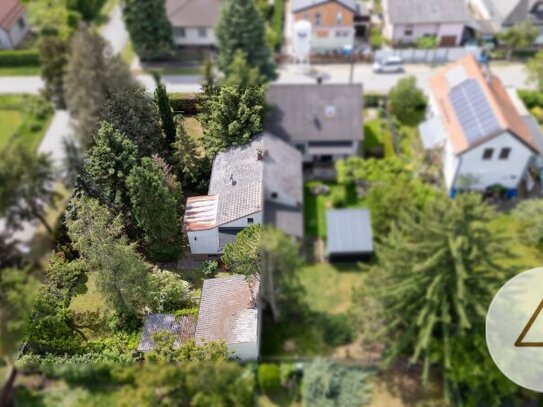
[269, 378]
[15, 58]
[186, 103]
[531, 98]
[374, 99]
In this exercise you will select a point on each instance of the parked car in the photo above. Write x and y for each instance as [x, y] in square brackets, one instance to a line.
[388, 65]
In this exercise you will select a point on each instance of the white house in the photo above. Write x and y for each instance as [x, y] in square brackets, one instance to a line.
[408, 20]
[13, 24]
[193, 21]
[230, 312]
[260, 182]
[474, 123]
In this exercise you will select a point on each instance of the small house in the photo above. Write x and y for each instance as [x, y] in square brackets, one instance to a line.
[323, 121]
[260, 182]
[406, 21]
[332, 22]
[193, 21]
[229, 312]
[349, 235]
[475, 126]
[14, 25]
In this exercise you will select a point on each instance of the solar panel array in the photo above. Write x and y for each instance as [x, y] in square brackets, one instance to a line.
[473, 111]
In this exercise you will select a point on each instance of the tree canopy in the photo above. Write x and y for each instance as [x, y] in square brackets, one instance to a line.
[534, 67]
[407, 102]
[241, 27]
[521, 35]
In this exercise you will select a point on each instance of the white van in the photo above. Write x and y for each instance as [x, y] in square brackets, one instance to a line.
[388, 65]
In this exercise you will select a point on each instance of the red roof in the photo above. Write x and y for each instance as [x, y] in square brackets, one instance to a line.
[10, 11]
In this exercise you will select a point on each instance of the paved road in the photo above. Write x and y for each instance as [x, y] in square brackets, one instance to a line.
[512, 75]
[115, 31]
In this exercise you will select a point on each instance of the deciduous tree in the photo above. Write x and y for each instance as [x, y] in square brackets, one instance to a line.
[534, 66]
[521, 35]
[168, 292]
[165, 350]
[407, 102]
[242, 28]
[53, 59]
[529, 216]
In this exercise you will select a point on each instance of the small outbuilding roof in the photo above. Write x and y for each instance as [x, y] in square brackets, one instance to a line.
[193, 13]
[349, 231]
[183, 327]
[298, 5]
[228, 310]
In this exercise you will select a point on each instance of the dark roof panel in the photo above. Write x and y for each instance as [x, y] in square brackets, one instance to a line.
[349, 231]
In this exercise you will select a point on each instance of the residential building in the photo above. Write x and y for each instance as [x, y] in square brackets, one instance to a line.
[230, 312]
[260, 182]
[332, 22]
[349, 235]
[478, 131]
[193, 21]
[405, 21]
[323, 121]
[14, 25]
[495, 16]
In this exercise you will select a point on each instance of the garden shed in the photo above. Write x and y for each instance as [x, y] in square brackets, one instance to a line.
[349, 235]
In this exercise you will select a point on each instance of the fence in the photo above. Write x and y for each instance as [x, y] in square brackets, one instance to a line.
[429, 56]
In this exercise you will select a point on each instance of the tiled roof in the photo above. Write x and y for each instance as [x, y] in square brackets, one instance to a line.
[193, 13]
[183, 327]
[313, 112]
[499, 103]
[10, 11]
[298, 5]
[228, 310]
[427, 11]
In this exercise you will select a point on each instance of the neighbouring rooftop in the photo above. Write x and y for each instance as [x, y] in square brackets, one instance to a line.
[193, 13]
[299, 5]
[10, 11]
[228, 310]
[427, 11]
[474, 106]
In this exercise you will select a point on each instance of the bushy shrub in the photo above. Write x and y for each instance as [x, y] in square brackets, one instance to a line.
[13, 58]
[210, 268]
[374, 99]
[269, 377]
[186, 311]
[277, 23]
[537, 112]
[184, 103]
[338, 330]
[167, 291]
[531, 98]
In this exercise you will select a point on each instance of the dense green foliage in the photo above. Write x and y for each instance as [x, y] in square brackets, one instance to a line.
[14, 58]
[149, 27]
[439, 267]
[231, 116]
[53, 59]
[241, 74]
[130, 110]
[272, 257]
[155, 197]
[521, 35]
[276, 25]
[110, 162]
[407, 102]
[168, 292]
[534, 66]
[122, 273]
[529, 216]
[166, 114]
[25, 185]
[88, 9]
[184, 103]
[165, 350]
[241, 27]
[329, 385]
[269, 377]
[90, 75]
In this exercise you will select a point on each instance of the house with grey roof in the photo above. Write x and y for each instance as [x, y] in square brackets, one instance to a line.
[405, 21]
[229, 312]
[193, 21]
[260, 182]
[494, 16]
[183, 328]
[14, 25]
[323, 121]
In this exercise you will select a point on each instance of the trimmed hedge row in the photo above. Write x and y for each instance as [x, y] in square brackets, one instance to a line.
[185, 103]
[374, 99]
[13, 58]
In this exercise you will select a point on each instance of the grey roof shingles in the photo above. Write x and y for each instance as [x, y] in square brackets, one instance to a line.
[228, 310]
[349, 231]
[298, 5]
[183, 327]
[299, 112]
[427, 11]
[193, 13]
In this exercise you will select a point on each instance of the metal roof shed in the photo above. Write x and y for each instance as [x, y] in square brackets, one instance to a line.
[349, 234]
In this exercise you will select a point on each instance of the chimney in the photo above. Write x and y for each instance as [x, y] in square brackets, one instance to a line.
[319, 80]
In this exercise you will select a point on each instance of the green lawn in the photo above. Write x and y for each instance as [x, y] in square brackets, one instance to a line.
[378, 139]
[19, 70]
[180, 70]
[24, 118]
[315, 206]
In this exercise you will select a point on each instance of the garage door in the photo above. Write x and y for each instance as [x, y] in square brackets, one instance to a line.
[448, 41]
